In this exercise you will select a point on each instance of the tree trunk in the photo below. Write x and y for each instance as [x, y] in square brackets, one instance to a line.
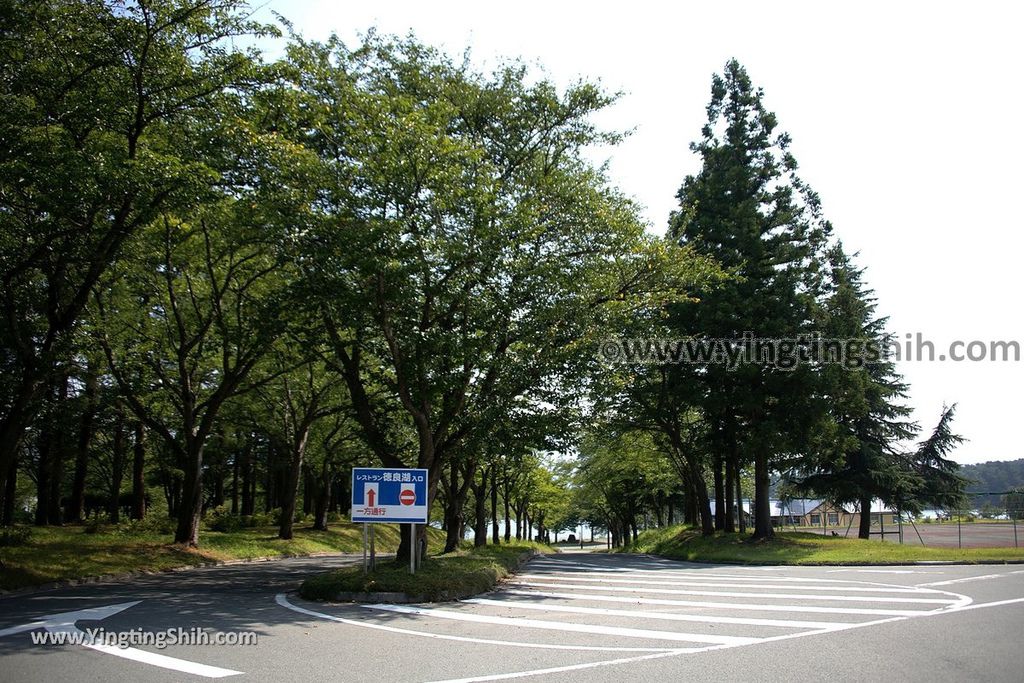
[730, 515]
[10, 492]
[118, 452]
[864, 529]
[269, 497]
[720, 510]
[190, 508]
[44, 447]
[495, 531]
[139, 473]
[322, 496]
[235, 467]
[739, 498]
[480, 509]
[24, 407]
[452, 512]
[76, 504]
[248, 494]
[291, 487]
[508, 509]
[762, 505]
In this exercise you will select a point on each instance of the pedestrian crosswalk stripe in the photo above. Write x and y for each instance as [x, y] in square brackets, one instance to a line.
[737, 594]
[720, 605]
[666, 616]
[569, 627]
[705, 584]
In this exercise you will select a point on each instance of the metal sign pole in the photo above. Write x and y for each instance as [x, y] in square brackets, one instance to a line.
[373, 551]
[365, 568]
[412, 548]
[959, 533]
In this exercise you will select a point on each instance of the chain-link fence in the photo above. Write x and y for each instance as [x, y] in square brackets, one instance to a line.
[986, 520]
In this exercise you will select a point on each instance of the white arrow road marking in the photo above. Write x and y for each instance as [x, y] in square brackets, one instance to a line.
[56, 622]
[64, 622]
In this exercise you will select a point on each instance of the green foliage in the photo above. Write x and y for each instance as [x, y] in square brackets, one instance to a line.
[620, 477]
[220, 519]
[1014, 502]
[105, 113]
[153, 524]
[993, 477]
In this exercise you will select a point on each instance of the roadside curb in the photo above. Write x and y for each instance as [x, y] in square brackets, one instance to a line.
[397, 598]
[128, 576]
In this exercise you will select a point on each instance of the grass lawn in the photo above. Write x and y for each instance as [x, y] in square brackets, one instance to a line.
[442, 577]
[793, 547]
[56, 553]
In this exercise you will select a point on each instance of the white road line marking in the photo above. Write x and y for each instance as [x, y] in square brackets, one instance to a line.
[567, 626]
[878, 571]
[561, 669]
[667, 616]
[997, 603]
[162, 661]
[706, 584]
[971, 578]
[736, 594]
[282, 600]
[720, 605]
[630, 660]
[699, 574]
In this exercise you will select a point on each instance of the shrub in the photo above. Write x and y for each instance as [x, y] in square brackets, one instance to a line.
[97, 524]
[221, 519]
[261, 519]
[151, 524]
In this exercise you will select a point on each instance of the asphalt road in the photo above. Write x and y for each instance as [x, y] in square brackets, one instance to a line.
[571, 617]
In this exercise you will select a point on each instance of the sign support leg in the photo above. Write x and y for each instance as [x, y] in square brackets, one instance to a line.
[373, 552]
[365, 567]
[412, 548]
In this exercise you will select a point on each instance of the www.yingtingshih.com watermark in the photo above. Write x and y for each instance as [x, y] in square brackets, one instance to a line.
[158, 639]
[787, 354]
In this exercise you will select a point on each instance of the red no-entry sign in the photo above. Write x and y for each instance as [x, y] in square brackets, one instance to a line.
[407, 497]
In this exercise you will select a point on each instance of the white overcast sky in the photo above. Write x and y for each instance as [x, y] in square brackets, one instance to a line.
[906, 118]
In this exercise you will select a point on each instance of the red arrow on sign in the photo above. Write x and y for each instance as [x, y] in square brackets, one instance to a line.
[370, 496]
[407, 497]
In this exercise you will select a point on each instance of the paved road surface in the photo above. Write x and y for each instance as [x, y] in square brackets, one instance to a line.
[573, 617]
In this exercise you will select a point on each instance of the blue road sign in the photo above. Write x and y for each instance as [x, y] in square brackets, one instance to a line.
[389, 495]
